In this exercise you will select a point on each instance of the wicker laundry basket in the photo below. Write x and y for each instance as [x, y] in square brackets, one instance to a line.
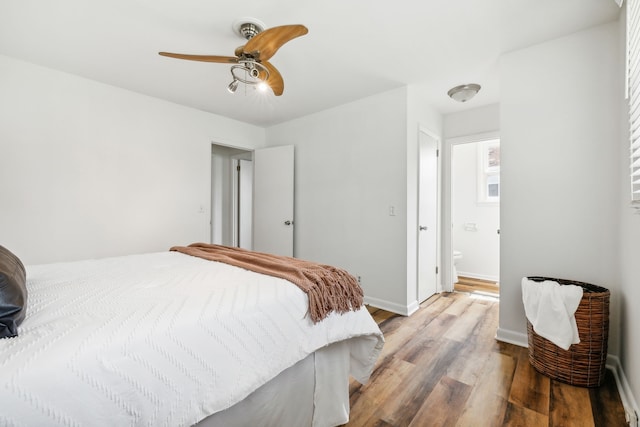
[583, 364]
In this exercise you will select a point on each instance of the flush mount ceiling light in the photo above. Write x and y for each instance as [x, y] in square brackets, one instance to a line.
[463, 93]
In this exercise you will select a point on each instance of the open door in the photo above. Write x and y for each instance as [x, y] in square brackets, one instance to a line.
[427, 216]
[273, 200]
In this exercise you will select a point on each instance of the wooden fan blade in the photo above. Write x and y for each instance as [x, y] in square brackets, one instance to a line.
[275, 81]
[269, 41]
[203, 58]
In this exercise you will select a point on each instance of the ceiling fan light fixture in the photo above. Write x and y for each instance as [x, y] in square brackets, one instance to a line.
[464, 93]
[250, 73]
[233, 86]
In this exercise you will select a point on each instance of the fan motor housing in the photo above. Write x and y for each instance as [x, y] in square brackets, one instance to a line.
[248, 27]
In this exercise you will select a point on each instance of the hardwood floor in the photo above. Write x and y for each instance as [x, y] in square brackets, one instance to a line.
[471, 285]
[443, 367]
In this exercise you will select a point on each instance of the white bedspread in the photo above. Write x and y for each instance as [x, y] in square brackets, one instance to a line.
[159, 339]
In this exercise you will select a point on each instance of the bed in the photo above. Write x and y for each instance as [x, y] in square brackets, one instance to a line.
[170, 339]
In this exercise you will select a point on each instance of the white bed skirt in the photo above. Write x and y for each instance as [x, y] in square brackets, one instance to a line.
[313, 392]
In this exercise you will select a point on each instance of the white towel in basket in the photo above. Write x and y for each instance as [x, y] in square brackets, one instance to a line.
[550, 307]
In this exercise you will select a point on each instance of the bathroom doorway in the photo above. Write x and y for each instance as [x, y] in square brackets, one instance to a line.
[475, 215]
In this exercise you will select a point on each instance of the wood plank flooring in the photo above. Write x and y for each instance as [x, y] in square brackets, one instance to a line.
[443, 367]
[478, 286]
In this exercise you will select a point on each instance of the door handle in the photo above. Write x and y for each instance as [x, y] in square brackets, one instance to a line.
[422, 228]
[287, 222]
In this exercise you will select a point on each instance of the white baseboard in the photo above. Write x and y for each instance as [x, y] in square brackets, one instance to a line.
[478, 276]
[626, 395]
[512, 337]
[412, 308]
[403, 310]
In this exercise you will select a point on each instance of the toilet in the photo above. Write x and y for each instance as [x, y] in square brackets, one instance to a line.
[457, 256]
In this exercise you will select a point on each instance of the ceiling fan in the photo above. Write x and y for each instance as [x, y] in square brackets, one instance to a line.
[251, 64]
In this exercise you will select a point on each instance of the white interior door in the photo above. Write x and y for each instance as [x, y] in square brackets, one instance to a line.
[427, 216]
[273, 200]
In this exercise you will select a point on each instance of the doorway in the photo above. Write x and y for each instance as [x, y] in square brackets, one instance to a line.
[475, 215]
[252, 198]
[231, 196]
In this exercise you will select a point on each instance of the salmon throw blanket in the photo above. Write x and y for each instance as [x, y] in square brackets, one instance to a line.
[329, 288]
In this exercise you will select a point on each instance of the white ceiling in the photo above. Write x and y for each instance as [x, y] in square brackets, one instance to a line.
[354, 48]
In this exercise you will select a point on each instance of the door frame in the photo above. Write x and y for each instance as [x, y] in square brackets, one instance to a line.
[447, 226]
[242, 206]
[438, 140]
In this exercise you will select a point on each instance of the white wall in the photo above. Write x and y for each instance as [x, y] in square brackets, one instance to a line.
[350, 164]
[560, 113]
[629, 235]
[88, 170]
[480, 245]
[472, 122]
[629, 289]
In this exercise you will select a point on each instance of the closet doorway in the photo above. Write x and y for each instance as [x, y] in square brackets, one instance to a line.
[475, 215]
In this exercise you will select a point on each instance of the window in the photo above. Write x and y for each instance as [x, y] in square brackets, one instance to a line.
[489, 171]
[633, 93]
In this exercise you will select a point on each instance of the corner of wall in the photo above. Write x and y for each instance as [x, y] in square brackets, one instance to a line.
[403, 310]
[512, 337]
[631, 410]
